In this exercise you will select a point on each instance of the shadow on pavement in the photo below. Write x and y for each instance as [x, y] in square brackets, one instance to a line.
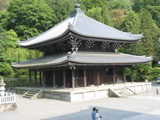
[107, 114]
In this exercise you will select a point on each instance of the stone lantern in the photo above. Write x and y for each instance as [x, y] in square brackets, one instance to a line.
[2, 87]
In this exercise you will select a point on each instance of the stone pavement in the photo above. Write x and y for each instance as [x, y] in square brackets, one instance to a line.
[144, 106]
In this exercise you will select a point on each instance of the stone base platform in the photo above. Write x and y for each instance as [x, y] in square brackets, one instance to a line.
[8, 107]
[84, 93]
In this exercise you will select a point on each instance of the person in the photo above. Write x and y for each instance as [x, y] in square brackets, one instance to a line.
[94, 114]
[98, 117]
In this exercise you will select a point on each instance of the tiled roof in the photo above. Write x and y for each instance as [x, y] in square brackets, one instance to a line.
[83, 58]
[82, 25]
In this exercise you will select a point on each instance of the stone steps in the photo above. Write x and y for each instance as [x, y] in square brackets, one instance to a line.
[32, 94]
[121, 92]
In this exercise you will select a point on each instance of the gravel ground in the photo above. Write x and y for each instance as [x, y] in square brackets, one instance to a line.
[144, 106]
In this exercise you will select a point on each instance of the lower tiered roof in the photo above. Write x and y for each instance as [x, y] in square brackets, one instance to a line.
[83, 59]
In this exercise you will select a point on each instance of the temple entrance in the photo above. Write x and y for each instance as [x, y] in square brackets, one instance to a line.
[119, 72]
[79, 78]
[49, 78]
[59, 78]
[68, 78]
[109, 75]
[89, 77]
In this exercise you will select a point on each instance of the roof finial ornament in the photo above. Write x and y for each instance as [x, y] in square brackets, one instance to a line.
[77, 10]
[77, 6]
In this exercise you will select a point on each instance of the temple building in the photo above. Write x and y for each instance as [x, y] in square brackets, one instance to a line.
[79, 52]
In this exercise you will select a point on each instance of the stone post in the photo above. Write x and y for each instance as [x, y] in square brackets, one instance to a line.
[2, 87]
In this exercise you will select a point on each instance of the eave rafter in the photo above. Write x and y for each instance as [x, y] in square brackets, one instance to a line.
[72, 33]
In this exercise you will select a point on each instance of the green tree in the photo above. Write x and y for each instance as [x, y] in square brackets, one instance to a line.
[141, 72]
[7, 39]
[106, 16]
[11, 52]
[95, 13]
[100, 14]
[120, 4]
[139, 4]
[118, 18]
[30, 17]
[4, 4]
[132, 24]
[155, 12]
[89, 4]
[61, 8]
[151, 32]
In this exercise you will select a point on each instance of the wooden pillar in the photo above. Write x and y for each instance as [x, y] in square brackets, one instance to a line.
[98, 78]
[124, 75]
[132, 77]
[54, 79]
[35, 78]
[40, 78]
[73, 78]
[30, 78]
[85, 78]
[114, 75]
[43, 80]
[64, 78]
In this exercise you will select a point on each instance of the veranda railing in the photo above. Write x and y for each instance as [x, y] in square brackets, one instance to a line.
[8, 98]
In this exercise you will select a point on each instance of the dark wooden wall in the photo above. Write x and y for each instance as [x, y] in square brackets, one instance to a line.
[92, 76]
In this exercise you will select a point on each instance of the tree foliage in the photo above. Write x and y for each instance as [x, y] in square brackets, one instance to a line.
[61, 9]
[118, 17]
[155, 12]
[151, 32]
[3, 4]
[133, 24]
[23, 19]
[89, 4]
[120, 4]
[30, 17]
[100, 14]
[139, 4]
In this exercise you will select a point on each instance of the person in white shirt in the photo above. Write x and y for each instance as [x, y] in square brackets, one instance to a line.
[98, 117]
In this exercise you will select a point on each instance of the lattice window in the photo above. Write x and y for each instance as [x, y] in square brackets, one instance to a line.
[89, 44]
[105, 45]
[117, 45]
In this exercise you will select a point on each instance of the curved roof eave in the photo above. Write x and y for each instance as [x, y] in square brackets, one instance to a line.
[83, 58]
[68, 30]
[39, 65]
[53, 33]
[100, 38]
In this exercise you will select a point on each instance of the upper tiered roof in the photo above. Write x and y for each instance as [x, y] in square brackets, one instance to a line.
[82, 25]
